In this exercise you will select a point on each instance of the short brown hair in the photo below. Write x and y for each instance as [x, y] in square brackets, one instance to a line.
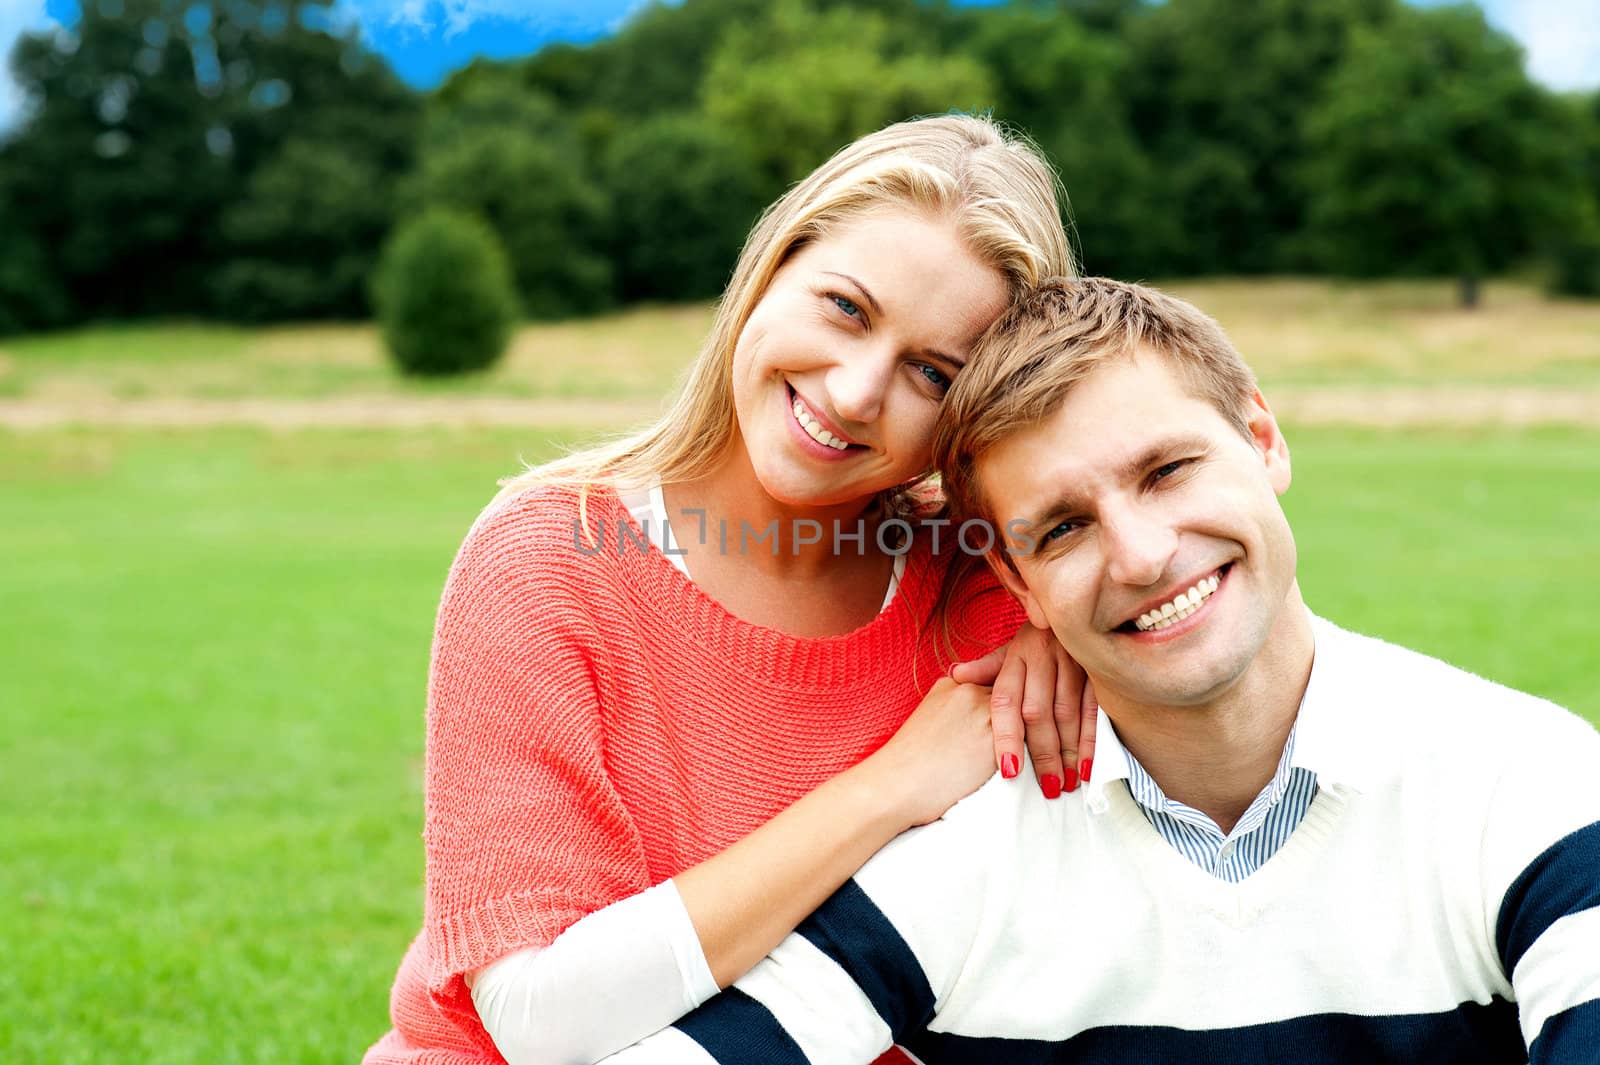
[1045, 344]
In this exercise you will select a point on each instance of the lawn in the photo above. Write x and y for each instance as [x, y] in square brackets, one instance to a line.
[213, 656]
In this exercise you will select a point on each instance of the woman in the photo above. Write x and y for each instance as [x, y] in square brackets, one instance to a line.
[748, 711]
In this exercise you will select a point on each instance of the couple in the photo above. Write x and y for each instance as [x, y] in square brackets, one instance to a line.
[646, 769]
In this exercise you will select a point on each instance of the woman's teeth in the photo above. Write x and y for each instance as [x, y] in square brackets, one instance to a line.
[1185, 604]
[814, 427]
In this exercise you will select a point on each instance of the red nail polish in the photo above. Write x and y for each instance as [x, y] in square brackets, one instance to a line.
[1072, 778]
[1088, 764]
[1050, 784]
[1008, 766]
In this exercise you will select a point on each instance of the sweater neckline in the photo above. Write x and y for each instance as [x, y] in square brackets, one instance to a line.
[818, 663]
[1238, 900]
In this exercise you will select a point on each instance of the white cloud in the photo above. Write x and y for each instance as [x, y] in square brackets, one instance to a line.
[16, 18]
[551, 18]
[1561, 38]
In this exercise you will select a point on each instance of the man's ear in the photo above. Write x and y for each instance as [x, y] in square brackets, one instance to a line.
[1268, 440]
[1005, 569]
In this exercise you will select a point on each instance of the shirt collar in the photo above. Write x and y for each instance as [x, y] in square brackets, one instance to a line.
[1321, 740]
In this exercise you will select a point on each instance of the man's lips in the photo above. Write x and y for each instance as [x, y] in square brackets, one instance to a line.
[1178, 601]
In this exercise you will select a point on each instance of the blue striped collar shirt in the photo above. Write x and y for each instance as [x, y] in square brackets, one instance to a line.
[1274, 814]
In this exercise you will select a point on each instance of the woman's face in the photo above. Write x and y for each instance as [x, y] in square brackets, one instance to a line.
[840, 371]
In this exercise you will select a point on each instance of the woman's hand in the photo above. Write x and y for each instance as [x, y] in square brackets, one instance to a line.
[1042, 701]
[942, 753]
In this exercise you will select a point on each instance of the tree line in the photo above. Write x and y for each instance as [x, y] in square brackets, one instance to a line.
[246, 160]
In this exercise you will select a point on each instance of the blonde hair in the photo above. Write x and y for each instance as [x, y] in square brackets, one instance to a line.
[1039, 349]
[997, 189]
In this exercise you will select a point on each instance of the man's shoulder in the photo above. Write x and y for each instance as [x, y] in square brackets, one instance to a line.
[1415, 697]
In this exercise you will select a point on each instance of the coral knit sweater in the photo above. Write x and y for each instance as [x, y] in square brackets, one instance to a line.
[596, 725]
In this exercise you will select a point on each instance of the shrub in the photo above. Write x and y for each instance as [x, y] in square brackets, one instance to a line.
[444, 295]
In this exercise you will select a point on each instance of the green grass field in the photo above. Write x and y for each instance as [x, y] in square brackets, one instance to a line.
[213, 660]
[214, 645]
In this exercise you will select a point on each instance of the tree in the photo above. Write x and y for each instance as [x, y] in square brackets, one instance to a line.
[801, 83]
[1217, 90]
[153, 116]
[1455, 181]
[510, 158]
[1065, 85]
[31, 296]
[305, 236]
[1572, 240]
[686, 194]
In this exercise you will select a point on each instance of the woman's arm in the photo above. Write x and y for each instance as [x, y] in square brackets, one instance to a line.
[638, 965]
[744, 900]
[616, 976]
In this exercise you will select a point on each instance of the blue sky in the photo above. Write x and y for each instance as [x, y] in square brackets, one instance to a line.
[427, 39]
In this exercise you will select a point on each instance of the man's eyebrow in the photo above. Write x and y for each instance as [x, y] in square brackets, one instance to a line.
[1069, 502]
[872, 302]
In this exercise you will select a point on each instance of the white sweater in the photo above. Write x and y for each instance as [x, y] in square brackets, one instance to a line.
[1440, 902]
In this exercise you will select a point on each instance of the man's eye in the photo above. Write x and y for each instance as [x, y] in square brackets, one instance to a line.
[1167, 471]
[846, 306]
[1061, 530]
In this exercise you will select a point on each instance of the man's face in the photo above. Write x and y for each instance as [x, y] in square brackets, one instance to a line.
[1136, 492]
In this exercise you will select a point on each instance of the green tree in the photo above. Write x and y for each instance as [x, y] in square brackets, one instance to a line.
[801, 83]
[1217, 91]
[153, 116]
[31, 295]
[1065, 85]
[686, 194]
[1572, 242]
[1454, 181]
[510, 158]
[444, 295]
[305, 235]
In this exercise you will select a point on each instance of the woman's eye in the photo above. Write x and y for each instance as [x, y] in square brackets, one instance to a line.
[846, 306]
[1166, 471]
[934, 377]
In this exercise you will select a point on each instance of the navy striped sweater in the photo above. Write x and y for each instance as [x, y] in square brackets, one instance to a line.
[1439, 902]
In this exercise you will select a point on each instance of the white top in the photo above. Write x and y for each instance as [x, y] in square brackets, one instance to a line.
[648, 508]
[622, 972]
[1440, 901]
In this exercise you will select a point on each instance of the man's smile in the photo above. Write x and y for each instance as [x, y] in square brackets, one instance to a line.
[1164, 615]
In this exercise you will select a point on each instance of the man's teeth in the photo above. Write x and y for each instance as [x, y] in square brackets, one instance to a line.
[1185, 604]
[814, 427]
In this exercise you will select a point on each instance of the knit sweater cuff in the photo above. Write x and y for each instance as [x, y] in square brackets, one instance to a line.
[472, 939]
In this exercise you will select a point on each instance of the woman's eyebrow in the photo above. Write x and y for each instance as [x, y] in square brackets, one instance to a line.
[872, 301]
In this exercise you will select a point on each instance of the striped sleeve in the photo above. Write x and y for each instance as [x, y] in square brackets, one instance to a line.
[1543, 838]
[868, 968]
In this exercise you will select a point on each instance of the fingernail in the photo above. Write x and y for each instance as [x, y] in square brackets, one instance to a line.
[1008, 766]
[1050, 784]
[1088, 764]
[1072, 778]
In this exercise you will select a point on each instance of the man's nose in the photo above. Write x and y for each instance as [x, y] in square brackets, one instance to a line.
[1139, 546]
[858, 383]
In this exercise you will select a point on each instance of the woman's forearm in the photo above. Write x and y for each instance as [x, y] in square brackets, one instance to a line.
[745, 900]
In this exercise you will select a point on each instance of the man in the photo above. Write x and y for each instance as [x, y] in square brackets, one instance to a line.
[1299, 844]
